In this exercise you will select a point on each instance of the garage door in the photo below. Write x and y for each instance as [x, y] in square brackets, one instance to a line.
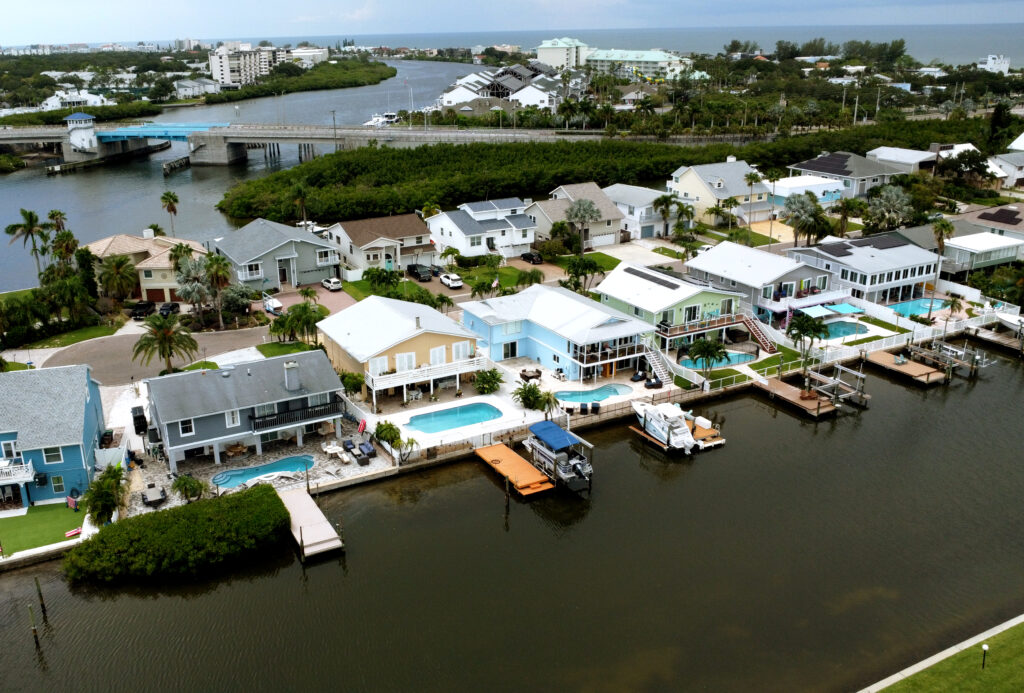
[155, 295]
[646, 232]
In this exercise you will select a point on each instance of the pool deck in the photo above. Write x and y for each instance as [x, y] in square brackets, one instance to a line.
[526, 479]
[310, 527]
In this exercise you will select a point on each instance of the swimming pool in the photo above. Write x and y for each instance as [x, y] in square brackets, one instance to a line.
[595, 395]
[456, 417]
[919, 306]
[844, 328]
[734, 358]
[234, 477]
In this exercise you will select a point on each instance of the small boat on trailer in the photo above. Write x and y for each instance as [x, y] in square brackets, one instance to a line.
[669, 427]
[562, 455]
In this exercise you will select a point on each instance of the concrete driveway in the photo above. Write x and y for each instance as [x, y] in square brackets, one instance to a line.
[637, 252]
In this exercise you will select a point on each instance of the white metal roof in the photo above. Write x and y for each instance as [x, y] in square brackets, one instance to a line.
[645, 288]
[981, 242]
[747, 266]
[377, 323]
[635, 195]
[901, 155]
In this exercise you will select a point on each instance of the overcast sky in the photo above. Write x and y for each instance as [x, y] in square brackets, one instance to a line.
[63, 21]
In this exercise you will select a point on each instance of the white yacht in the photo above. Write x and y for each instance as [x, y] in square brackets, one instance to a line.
[560, 454]
[380, 120]
[672, 428]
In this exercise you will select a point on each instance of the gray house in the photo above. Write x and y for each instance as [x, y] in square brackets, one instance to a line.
[267, 254]
[249, 404]
[857, 174]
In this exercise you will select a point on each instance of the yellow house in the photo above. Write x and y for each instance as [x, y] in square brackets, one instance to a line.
[706, 185]
[398, 344]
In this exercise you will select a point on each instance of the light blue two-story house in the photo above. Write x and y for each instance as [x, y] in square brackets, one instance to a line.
[558, 329]
[51, 422]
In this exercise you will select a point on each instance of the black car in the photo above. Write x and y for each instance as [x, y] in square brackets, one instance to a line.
[142, 309]
[169, 309]
[533, 257]
[419, 272]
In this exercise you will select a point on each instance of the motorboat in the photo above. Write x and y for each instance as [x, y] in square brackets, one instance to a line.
[562, 455]
[675, 429]
[1011, 322]
[380, 120]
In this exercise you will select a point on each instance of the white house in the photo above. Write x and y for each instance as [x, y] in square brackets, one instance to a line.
[640, 218]
[1012, 164]
[907, 160]
[995, 63]
[488, 226]
[194, 88]
[74, 98]
[390, 243]
[826, 190]
[563, 52]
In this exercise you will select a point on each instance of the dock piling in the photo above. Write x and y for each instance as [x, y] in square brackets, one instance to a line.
[42, 604]
[32, 620]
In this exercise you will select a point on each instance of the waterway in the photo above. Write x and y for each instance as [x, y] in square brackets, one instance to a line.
[125, 198]
[800, 557]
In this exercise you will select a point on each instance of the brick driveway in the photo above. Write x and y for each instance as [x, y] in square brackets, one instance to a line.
[332, 300]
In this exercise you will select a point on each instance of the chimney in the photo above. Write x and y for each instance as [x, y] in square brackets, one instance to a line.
[417, 322]
[147, 233]
[291, 376]
[730, 159]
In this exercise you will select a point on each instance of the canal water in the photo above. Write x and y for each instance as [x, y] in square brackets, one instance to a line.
[125, 198]
[800, 557]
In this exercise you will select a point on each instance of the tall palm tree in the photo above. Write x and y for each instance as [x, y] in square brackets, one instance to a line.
[685, 212]
[772, 176]
[805, 330]
[806, 216]
[179, 252]
[580, 215]
[218, 275]
[751, 178]
[166, 338]
[30, 230]
[847, 207]
[169, 201]
[942, 229]
[955, 305]
[57, 218]
[308, 294]
[64, 246]
[299, 195]
[303, 317]
[118, 276]
[705, 353]
[664, 205]
[547, 402]
[729, 204]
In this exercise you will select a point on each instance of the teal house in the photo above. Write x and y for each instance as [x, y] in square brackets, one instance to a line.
[51, 423]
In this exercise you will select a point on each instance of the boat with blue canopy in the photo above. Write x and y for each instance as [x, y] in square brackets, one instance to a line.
[562, 455]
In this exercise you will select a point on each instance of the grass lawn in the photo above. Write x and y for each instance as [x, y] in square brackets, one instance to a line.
[1004, 669]
[668, 252]
[723, 373]
[15, 366]
[74, 336]
[357, 290]
[714, 234]
[271, 349]
[863, 340]
[507, 276]
[605, 262]
[853, 226]
[14, 294]
[200, 365]
[884, 325]
[44, 524]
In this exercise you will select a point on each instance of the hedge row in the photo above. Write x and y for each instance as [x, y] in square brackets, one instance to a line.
[341, 74]
[190, 540]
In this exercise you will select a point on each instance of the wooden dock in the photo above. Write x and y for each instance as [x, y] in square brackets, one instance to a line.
[524, 477]
[1003, 339]
[816, 406]
[311, 529]
[918, 372]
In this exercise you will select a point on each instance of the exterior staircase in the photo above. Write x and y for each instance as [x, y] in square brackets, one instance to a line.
[754, 325]
[654, 359]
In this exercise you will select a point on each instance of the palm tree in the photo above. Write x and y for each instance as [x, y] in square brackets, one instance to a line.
[772, 177]
[444, 302]
[218, 275]
[729, 204]
[105, 495]
[805, 215]
[529, 277]
[580, 214]
[955, 305]
[685, 212]
[382, 280]
[751, 178]
[942, 229]
[192, 284]
[166, 338]
[157, 229]
[299, 195]
[189, 487]
[118, 276]
[716, 212]
[57, 218]
[431, 209]
[847, 207]
[547, 402]
[890, 208]
[30, 230]
[804, 330]
[451, 254]
[663, 205]
[64, 246]
[568, 110]
[303, 317]
[179, 252]
[706, 353]
[169, 201]
[309, 294]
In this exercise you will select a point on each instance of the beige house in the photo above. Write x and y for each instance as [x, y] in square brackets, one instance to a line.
[706, 185]
[151, 256]
[400, 345]
[605, 231]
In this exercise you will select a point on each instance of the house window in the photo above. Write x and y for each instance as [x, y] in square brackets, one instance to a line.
[474, 241]
[268, 437]
[788, 288]
[821, 282]
[509, 350]
[913, 271]
[373, 257]
[185, 428]
[846, 184]
[231, 418]
[57, 484]
[437, 356]
[608, 223]
[254, 270]
[405, 361]
[323, 257]
[888, 277]
[554, 357]
[746, 198]
[8, 448]
[805, 284]
[844, 274]
[378, 365]
[460, 351]
[350, 251]
[419, 240]
[874, 279]
[52, 456]
[766, 291]
[315, 400]
[637, 311]
[685, 194]
[631, 209]
[691, 313]
[266, 409]
[524, 233]
[906, 273]
[147, 274]
[513, 327]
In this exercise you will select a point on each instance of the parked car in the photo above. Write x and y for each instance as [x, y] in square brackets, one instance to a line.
[331, 284]
[419, 272]
[533, 257]
[169, 309]
[704, 248]
[143, 309]
[452, 281]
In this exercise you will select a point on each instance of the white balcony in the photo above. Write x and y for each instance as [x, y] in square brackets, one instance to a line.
[424, 373]
[244, 276]
[16, 471]
[331, 259]
[784, 304]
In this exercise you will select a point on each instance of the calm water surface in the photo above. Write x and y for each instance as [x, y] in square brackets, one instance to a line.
[800, 557]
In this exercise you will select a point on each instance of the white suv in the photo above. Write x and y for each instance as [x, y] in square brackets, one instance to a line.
[331, 284]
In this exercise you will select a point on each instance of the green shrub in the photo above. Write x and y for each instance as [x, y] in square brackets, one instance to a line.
[387, 432]
[190, 540]
[352, 382]
[488, 381]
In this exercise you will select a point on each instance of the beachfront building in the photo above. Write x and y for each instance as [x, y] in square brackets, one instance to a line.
[995, 63]
[251, 404]
[884, 268]
[398, 346]
[604, 231]
[559, 329]
[563, 53]
[705, 186]
[151, 256]
[640, 219]
[856, 173]
[772, 284]
[386, 242]
[652, 64]
[487, 226]
[265, 254]
[194, 88]
[51, 425]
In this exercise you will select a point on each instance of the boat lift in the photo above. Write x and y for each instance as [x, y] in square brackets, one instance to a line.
[950, 357]
[838, 390]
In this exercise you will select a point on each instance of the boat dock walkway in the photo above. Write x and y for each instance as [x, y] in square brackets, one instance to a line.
[524, 477]
[310, 527]
[1004, 339]
[816, 406]
[919, 372]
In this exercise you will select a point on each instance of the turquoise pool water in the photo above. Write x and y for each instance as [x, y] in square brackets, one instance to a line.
[919, 306]
[456, 417]
[234, 477]
[733, 359]
[595, 395]
[844, 328]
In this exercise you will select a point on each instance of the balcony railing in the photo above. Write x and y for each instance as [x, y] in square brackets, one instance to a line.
[424, 373]
[607, 355]
[297, 416]
[810, 299]
[331, 259]
[244, 276]
[666, 330]
[17, 471]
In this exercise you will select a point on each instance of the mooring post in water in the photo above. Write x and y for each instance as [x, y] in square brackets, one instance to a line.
[341, 533]
[302, 546]
[42, 604]
[506, 493]
[32, 620]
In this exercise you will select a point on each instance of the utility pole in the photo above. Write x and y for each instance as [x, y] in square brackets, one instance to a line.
[856, 104]
[334, 122]
[878, 103]
[843, 107]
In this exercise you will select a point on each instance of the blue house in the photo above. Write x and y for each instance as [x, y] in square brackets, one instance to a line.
[51, 422]
[559, 329]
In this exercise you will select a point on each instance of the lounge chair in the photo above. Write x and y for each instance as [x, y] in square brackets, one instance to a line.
[362, 459]
[595, 407]
[638, 376]
[583, 408]
[653, 384]
[348, 445]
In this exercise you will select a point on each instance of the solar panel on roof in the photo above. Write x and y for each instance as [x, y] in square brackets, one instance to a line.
[1002, 216]
[660, 281]
[834, 249]
[886, 242]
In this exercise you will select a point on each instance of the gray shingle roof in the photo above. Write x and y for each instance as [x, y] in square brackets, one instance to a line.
[471, 227]
[259, 237]
[198, 393]
[924, 236]
[494, 205]
[1012, 158]
[846, 165]
[45, 406]
[730, 173]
